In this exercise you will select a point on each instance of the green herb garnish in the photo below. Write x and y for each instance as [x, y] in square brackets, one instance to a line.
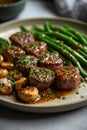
[19, 33]
[77, 92]
[65, 71]
[63, 98]
[82, 96]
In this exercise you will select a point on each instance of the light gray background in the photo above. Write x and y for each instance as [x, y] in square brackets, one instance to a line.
[16, 120]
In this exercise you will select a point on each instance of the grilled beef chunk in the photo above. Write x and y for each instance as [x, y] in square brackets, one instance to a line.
[13, 53]
[22, 38]
[41, 78]
[37, 49]
[26, 63]
[51, 60]
[67, 78]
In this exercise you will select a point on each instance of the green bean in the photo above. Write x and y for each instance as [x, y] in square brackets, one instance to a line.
[62, 30]
[25, 29]
[37, 28]
[68, 40]
[79, 35]
[80, 58]
[85, 37]
[82, 53]
[47, 27]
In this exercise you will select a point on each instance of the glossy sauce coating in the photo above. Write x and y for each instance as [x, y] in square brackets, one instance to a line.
[37, 49]
[21, 39]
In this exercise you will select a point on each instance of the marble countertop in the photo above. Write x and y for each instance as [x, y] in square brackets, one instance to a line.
[16, 120]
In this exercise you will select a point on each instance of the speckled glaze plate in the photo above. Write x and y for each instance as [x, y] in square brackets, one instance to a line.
[74, 100]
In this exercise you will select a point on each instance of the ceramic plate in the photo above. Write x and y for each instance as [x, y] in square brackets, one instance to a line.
[73, 100]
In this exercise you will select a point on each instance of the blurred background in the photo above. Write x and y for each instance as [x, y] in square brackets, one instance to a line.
[19, 9]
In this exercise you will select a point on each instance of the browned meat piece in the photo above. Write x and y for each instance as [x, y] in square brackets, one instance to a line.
[26, 63]
[21, 39]
[51, 60]
[41, 78]
[12, 54]
[67, 78]
[36, 49]
[6, 86]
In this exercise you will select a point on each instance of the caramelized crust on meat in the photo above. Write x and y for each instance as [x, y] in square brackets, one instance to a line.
[21, 39]
[67, 77]
[51, 60]
[12, 53]
[37, 49]
[26, 63]
[41, 77]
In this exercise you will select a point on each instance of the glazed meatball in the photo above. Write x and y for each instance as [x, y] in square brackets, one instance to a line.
[13, 53]
[41, 77]
[26, 63]
[37, 49]
[67, 78]
[5, 86]
[28, 94]
[21, 39]
[51, 60]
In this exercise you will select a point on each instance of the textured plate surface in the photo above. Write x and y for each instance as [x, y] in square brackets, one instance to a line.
[73, 101]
